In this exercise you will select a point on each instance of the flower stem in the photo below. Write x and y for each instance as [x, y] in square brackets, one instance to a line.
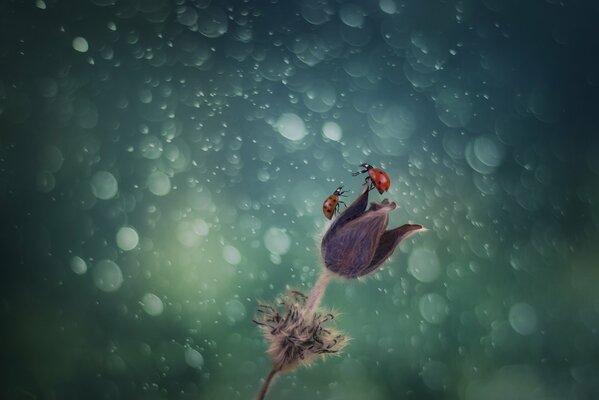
[317, 292]
[269, 379]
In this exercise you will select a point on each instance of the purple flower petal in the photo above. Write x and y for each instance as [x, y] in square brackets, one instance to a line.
[388, 243]
[350, 250]
[355, 209]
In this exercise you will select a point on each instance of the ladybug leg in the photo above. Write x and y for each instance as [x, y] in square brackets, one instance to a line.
[342, 202]
[358, 173]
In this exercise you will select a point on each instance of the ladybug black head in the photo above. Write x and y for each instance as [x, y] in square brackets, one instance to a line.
[338, 191]
[366, 166]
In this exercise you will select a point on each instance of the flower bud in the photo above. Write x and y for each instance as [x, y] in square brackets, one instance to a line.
[357, 243]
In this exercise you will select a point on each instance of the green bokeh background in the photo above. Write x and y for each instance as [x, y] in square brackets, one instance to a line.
[484, 114]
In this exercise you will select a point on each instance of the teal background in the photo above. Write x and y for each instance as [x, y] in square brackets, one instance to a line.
[216, 129]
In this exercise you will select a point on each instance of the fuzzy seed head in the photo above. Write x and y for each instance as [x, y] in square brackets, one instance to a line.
[297, 337]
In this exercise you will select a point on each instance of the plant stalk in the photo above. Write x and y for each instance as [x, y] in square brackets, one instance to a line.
[317, 292]
[269, 379]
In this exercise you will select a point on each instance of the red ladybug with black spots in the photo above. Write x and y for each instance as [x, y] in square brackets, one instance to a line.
[331, 204]
[379, 179]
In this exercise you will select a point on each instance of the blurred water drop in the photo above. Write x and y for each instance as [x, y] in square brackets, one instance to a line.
[332, 131]
[351, 15]
[435, 375]
[234, 311]
[475, 162]
[454, 108]
[314, 11]
[231, 255]
[45, 181]
[190, 233]
[51, 159]
[277, 241]
[291, 127]
[115, 364]
[424, 265]
[212, 22]
[388, 6]
[194, 358]
[488, 151]
[320, 96]
[159, 183]
[127, 238]
[433, 308]
[187, 16]
[152, 304]
[107, 276]
[523, 318]
[545, 104]
[80, 44]
[150, 147]
[104, 185]
[78, 265]
[454, 144]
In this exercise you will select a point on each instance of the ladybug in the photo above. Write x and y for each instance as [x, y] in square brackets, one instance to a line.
[331, 204]
[379, 179]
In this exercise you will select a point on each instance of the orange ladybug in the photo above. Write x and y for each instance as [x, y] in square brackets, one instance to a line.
[379, 179]
[331, 204]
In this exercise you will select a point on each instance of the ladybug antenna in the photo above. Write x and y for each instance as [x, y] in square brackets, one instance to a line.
[366, 167]
[339, 190]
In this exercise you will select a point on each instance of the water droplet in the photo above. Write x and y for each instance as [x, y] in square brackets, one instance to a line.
[332, 130]
[45, 181]
[488, 150]
[231, 255]
[291, 127]
[351, 15]
[190, 233]
[51, 159]
[523, 318]
[212, 22]
[80, 44]
[435, 375]
[104, 185]
[159, 183]
[433, 308]
[235, 311]
[193, 358]
[150, 147]
[127, 238]
[424, 265]
[388, 6]
[187, 16]
[78, 265]
[453, 107]
[152, 304]
[277, 241]
[107, 276]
